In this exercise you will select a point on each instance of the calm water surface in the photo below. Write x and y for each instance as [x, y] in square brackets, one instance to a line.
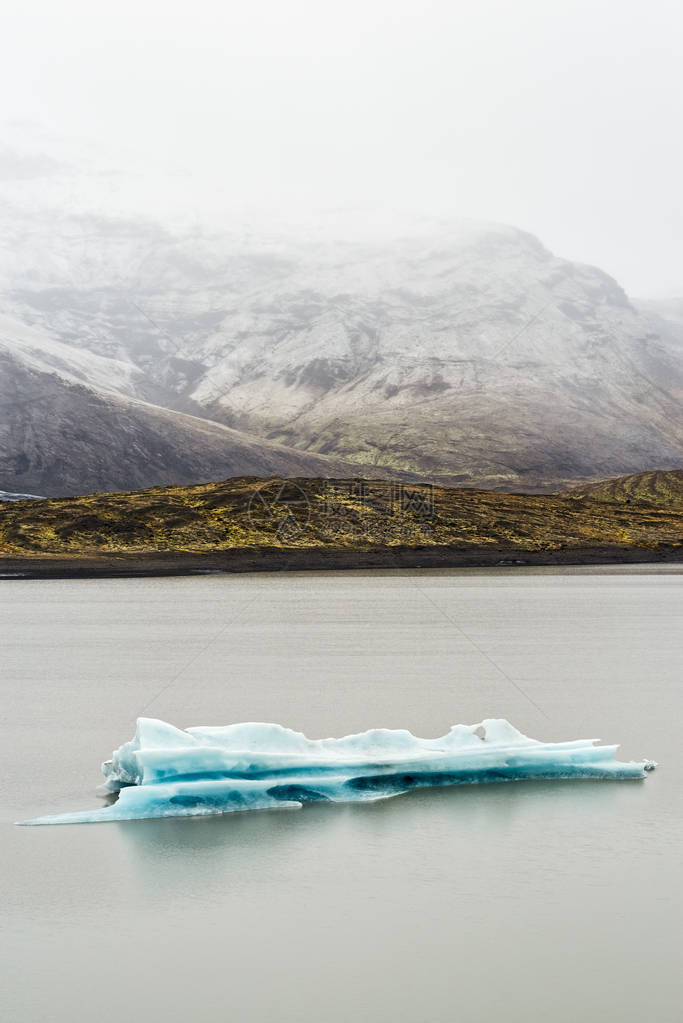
[534, 901]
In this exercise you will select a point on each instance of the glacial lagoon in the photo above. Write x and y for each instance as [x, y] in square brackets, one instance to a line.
[547, 899]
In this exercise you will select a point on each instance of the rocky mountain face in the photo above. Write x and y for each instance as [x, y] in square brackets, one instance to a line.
[60, 435]
[467, 354]
[471, 357]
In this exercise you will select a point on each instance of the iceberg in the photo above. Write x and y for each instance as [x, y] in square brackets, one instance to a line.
[166, 771]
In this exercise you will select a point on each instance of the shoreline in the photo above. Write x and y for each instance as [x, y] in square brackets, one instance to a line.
[297, 559]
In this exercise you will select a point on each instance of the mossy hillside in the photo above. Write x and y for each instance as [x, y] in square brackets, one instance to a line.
[657, 488]
[249, 512]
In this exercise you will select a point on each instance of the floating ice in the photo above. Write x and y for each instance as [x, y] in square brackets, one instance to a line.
[167, 772]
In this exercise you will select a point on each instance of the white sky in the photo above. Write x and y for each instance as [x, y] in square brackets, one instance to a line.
[561, 118]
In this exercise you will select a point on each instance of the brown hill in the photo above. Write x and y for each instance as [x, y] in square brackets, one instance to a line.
[230, 524]
[657, 488]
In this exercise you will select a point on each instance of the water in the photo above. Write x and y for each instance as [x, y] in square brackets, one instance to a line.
[554, 901]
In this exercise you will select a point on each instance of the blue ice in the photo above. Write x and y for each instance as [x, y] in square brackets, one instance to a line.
[169, 772]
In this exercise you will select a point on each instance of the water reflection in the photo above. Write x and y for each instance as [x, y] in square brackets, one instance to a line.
[434, 832]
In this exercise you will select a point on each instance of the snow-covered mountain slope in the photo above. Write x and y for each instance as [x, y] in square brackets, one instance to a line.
[37, 350]
[60, 437]
[465, 352]
[475, 356]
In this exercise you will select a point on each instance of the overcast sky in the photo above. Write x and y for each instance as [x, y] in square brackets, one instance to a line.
[561, 118]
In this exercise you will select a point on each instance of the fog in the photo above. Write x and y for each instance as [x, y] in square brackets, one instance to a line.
[561, 119]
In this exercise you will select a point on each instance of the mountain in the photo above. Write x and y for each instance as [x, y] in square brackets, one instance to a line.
[473, 356]
[666, 316]
[463, 353]
[61, 435]
[660, 489]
